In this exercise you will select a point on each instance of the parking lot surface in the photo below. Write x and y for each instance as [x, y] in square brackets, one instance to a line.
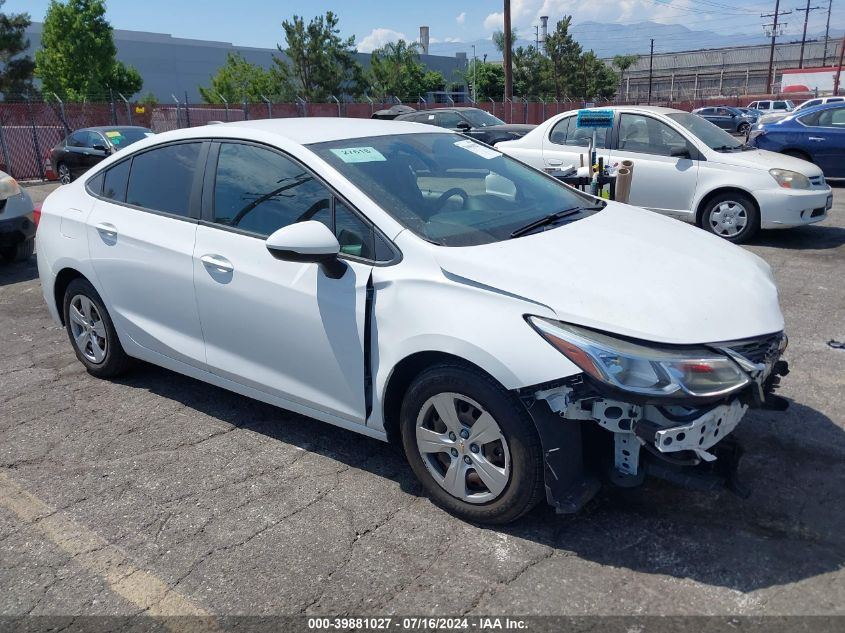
[159, 494]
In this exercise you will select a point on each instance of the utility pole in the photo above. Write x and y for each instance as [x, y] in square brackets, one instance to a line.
[508, 45]
[804, 35]
[774, 26]
[474, 64]
[650, 67]
[827, 32]
[839, 68]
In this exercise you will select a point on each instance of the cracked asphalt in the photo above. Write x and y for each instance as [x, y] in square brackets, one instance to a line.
[159, 494]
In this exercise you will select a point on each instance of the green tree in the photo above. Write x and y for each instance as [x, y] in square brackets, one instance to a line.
[149, 99]
[564, 55]
[433, 81]
[395, 69]
[318, 61]
[623, 63]
[239, 79]
[531, 73]
[77, 55]
[499, 39]
[489, 79]
[598, 78]
[15, 69]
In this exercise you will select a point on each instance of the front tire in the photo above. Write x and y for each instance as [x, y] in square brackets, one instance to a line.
[472, 445]
[732, 216]
[91, 331]
[744, 128]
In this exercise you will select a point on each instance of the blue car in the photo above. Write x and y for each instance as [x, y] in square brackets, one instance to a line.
[815, 134]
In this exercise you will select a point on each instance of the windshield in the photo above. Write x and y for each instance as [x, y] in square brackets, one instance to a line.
[480, 118]
[122, 137]
[448, 189]
[711, 135]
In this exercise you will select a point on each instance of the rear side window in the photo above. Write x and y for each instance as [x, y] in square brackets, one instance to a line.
[114, 187]
[781, 105]
[567, 132]
[161, 179]
[448, 119]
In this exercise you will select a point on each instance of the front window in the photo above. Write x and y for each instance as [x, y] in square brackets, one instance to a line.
[647, 135]
[448, 189]
[480, 118]
[711, 135]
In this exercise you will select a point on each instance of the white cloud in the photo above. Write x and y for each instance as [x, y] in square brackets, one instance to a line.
[462, 17]
[378, 38]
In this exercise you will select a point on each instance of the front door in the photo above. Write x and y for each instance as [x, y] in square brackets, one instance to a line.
[281, 327]
[826, 139]
[663, 179]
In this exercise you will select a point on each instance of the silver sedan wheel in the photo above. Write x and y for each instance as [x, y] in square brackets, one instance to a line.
[64, 174]
[88, 329]
[463, 448]
[728, 218]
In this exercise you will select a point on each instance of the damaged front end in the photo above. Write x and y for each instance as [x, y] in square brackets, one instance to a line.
[670, 424]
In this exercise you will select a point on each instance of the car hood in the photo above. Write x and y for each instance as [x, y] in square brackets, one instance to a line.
[630, 272]
[764, 159]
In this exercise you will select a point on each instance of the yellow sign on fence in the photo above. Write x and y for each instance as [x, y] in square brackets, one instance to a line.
[139, 109]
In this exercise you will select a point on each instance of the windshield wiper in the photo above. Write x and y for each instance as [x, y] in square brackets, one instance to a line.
[552, 218]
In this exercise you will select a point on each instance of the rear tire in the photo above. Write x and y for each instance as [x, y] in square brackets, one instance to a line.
[744, 128]
[63, 171]
[503, 451]
[733, 216]
[91, 331]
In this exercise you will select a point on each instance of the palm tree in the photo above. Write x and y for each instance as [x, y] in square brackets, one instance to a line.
[623, 63]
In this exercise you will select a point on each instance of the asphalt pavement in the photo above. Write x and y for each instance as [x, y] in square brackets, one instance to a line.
[159, 494]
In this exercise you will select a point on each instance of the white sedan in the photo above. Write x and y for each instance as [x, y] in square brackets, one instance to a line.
[688, 168]
[416, 286]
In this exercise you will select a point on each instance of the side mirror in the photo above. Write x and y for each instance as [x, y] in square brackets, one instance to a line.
[463, 125]
[308, 242]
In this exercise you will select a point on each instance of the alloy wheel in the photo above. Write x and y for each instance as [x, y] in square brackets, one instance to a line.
[88, 329]
[463, 448]
[64, 174]
[728, 218]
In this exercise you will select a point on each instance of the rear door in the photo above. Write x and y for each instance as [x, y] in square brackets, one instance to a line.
[141, 235]
[567, 144]
[661, 181]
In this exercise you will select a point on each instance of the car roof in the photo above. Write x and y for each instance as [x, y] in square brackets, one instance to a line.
[309, 129]
[641, 108]
[830, 105]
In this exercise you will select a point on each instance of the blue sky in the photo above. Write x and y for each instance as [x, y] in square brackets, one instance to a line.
[374, 22]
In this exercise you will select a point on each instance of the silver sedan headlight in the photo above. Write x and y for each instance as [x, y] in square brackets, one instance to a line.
[641, 369]
[790, 179]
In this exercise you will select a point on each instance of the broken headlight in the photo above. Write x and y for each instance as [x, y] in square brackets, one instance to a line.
[643, 369]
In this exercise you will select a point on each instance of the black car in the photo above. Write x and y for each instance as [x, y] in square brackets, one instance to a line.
[474, 122]
[728, 118]
[86, 147]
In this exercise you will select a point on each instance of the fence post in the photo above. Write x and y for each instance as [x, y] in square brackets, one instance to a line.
[178, 114]
[38, 157]
[335, 99]
[372, 105]
[226, 105]
[304, 105]
[510, 114]
[543, 101]
[422, 101]
[269, 106]
[128, 108]
[5, 149]
[62, 114]
[246, 110]
[112, 108]
[187, 110]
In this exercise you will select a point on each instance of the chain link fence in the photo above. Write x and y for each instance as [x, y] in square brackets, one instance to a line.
[30, 129]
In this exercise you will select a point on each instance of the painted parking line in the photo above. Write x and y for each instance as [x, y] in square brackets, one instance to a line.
[111, 563]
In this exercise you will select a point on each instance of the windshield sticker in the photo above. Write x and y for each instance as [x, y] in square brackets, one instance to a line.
[359, 154]
[113, 134]
[476, 148]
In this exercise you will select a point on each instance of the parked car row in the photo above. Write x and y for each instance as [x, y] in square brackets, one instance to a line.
[84, 148]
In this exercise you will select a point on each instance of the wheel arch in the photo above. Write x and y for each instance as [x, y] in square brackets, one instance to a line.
[404, 373]
[702, 204]
[63, 279]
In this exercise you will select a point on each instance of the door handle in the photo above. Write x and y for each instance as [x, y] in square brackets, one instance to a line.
[816, 138]
[106, 229]
[218, 263]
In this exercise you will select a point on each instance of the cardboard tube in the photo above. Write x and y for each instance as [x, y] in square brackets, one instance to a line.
[623, 185]
[629, 165]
